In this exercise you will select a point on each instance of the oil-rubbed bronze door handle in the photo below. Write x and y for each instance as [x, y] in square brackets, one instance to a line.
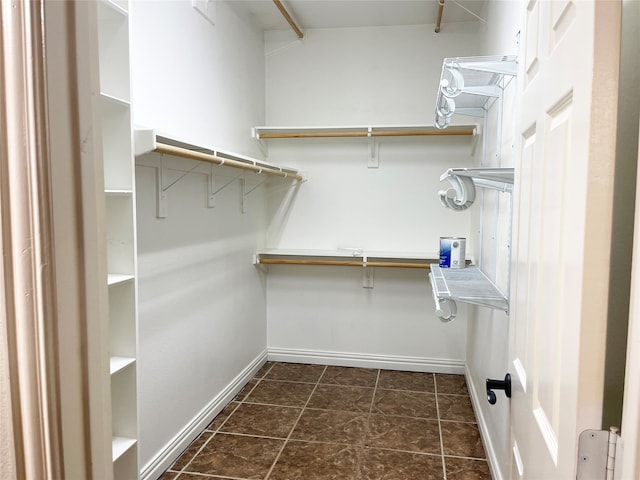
[498, 385]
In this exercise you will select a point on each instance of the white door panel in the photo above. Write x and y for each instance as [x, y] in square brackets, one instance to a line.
[562, 223]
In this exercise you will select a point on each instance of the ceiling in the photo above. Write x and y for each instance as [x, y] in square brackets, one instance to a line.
[359, 13]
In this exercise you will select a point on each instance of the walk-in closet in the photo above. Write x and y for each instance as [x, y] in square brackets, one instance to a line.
[251, 206]
[291, 185]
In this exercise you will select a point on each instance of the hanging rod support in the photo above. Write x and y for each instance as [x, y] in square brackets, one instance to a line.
[204, 157]
[439, 20]
[226, 184]
[184, 174]
[288, 18]
[247, 192]
[469, 11]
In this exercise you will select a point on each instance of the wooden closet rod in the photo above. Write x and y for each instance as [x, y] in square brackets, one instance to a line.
[205, 157]
[288, 18]
[345, 263]
[381, 133]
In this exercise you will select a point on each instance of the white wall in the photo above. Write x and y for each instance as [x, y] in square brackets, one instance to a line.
[196, 81]
[488, 330]
[202, 313]
[360, 76]
[363, 76]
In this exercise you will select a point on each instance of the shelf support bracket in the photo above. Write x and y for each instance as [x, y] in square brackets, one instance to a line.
[367, 274]
[163, 198]
[461, 196]
[245, 192]
[243, 183]
[374, 156]
[453, 309]
[211, 194]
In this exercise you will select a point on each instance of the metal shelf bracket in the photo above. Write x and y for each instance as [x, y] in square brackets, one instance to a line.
[470, 85]
[468, 285]
[465, 180]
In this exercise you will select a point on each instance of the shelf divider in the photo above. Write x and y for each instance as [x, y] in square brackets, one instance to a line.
[120, 445]
[118, 363]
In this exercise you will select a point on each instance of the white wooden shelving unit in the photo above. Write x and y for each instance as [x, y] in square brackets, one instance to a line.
[345, 257]
[359, 131]
[368, 260]
[115, 115]
[373, 134]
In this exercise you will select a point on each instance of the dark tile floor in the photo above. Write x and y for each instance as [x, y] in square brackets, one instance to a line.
[315, 422]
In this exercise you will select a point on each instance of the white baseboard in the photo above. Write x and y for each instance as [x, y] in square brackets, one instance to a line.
[476, 398]
[390, 362]
[169, 454]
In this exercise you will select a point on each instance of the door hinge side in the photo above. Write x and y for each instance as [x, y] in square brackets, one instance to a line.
[597, 454]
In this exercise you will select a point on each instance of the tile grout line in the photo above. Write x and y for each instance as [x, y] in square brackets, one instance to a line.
[294, 425]
[217, 430]
[367, 429]
[213, 434]
[444, 466]
[375, 390]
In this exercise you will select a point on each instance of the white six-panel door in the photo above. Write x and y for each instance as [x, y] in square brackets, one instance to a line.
[562, 230]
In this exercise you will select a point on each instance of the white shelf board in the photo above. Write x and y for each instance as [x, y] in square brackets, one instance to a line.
[118, 363]
[147, 139]
[468, 285]
[113, 10]
[115, 100]
[348, 253]
[116, 278]
[120, 445]
[118, 193]
[346, 129]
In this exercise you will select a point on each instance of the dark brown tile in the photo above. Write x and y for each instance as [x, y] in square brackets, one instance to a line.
[357, 377]
[262, 420]
[401, 433]
[275, 392]
[466, 469]
[405, 403]
[415, 381]
[222, 416]
[393, 465]
[455, 407]
[333, 397]
[451, 384]
[236, 456]
[194, 476]
[168, 476]
[245, 391]
[462, 440]
[317, 461]
[295, 372]
[188, 454]
[264, 370]
[331, 426]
